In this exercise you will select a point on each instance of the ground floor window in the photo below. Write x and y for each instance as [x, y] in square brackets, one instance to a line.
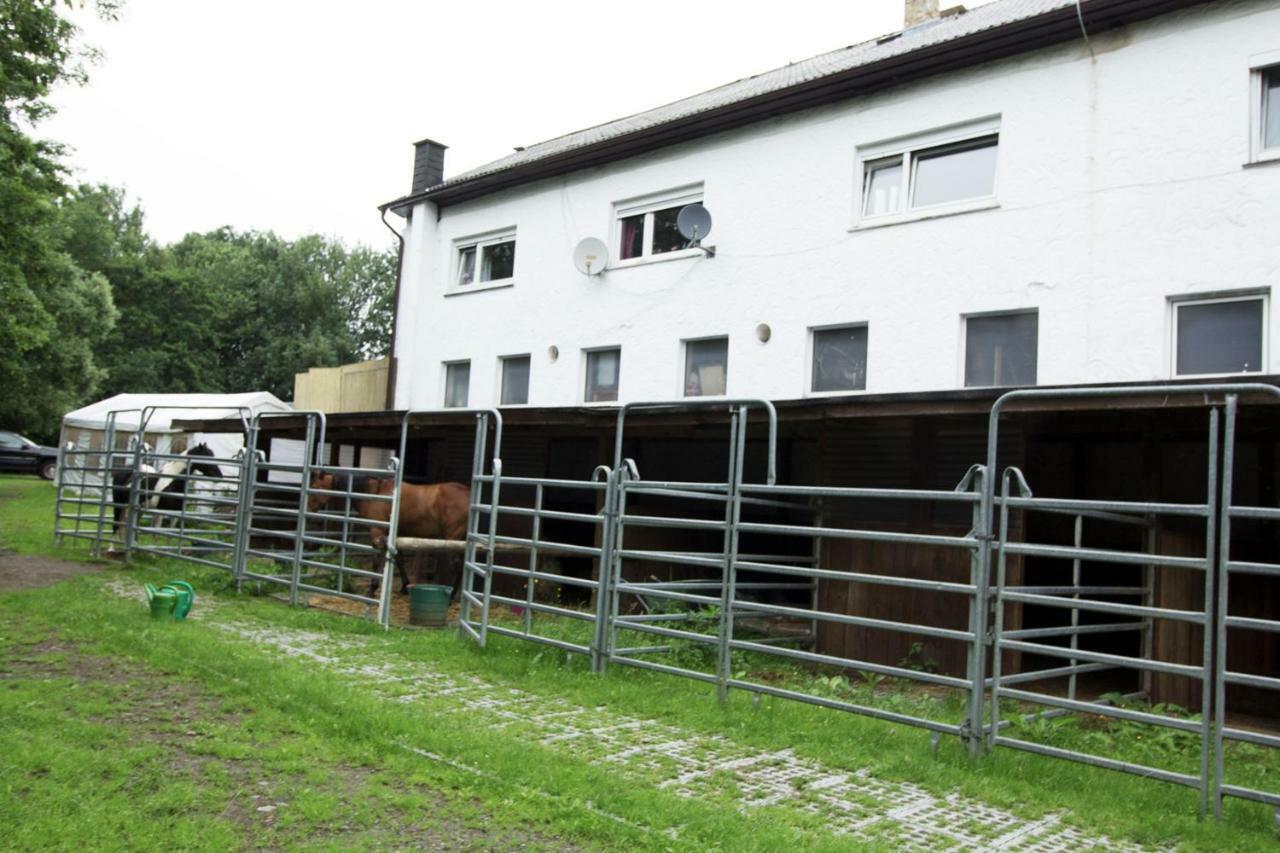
[515, 380]
[1219, 335]
[457, 384]
[1001, 349]
[603, 368]
[706, 367]
[839, 359]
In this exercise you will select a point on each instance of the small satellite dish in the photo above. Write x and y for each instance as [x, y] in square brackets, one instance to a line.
[591, 256]
[694, 223]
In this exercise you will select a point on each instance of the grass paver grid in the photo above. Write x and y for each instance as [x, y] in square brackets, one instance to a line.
[852, 804]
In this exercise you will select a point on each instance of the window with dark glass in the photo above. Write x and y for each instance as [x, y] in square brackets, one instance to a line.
[603, 367]
[1219, 336]
[496, 261]
[457, 382]
[1000, 349]
[839, 359]
[515, 380]
[1271, 108]
[930, 177]
[706, 367]
[648, 228]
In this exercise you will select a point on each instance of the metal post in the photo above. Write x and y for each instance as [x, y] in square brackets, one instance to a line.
[301, 527]
[997, 665]
[620, 476]
[532, 580]
[1078, 539]
[494, 497]
[1206, 659]
[391, 552]
[733, 515]
[1220, 615]
[979, 606]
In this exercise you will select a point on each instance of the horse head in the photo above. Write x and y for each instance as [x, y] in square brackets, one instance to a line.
[325, 482]
[207, 469]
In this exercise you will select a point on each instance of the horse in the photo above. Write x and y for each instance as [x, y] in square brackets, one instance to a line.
[432, 511]
[163, 488]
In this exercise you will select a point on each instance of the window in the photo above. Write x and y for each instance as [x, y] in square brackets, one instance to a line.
[9, 440]
[489, 261]
[706, 366]
[457, 384]
[515, 380]
[839, 359]
[603, 367]
[945, 172]
[647, 226]
[1000, 349]
[1219, 335]
[1265, 144]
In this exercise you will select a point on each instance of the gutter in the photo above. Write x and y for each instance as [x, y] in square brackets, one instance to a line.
[1060, 25]
[393, 362]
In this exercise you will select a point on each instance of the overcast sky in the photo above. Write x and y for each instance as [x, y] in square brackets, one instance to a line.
[298, 115]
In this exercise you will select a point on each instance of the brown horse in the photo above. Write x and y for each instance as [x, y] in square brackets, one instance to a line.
[434, 511]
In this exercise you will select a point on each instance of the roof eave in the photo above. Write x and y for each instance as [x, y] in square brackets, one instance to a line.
[989, 45]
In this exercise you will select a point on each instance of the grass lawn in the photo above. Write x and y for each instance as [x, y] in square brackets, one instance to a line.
[121, 732]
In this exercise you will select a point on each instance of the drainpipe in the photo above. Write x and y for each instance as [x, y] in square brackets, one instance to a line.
[390, 400]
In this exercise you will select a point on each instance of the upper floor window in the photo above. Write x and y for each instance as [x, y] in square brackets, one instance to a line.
[1265, 142]
[839, 359]
[1000, 349]
[646, 227]
[1226, 335]
[457, 384]
[706, 367]
[603, 369]
[485, 261]
[515, 380]
[949, 171]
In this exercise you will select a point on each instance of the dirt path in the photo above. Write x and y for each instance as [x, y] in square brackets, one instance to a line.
[29, 571]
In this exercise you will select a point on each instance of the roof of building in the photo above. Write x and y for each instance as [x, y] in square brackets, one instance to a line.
[998, 29]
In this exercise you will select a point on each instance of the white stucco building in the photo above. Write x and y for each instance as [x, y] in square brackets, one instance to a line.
[992, 197]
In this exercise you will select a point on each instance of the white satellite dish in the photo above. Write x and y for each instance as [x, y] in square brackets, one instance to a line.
[694, 222]
[591, 256]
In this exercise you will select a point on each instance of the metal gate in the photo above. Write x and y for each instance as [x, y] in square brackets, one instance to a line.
[85, 505]
[320, 530]
[1107, 612]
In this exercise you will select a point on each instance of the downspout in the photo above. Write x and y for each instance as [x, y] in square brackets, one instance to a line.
[393, 363]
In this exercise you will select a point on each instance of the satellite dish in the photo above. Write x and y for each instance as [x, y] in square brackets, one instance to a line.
[591, 256]
[694, 223]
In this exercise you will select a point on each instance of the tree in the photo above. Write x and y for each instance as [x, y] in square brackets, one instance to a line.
[53, 313]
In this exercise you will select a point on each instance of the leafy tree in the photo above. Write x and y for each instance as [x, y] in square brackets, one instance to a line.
[53, 313]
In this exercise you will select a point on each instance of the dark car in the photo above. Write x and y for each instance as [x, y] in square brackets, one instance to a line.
[22, 454]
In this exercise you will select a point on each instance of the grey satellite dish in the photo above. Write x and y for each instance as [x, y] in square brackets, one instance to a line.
[591, 256]
[694, 222]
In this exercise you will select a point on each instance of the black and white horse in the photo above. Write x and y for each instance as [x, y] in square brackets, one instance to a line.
[162, 489]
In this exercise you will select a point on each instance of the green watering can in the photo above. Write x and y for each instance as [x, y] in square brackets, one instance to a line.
[172, 601]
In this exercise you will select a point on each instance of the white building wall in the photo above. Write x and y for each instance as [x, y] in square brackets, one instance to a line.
[1121, 182]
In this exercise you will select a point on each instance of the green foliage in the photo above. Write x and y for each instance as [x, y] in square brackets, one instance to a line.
[53, 313]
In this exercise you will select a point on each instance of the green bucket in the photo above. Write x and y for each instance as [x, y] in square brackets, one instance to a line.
[429, 604]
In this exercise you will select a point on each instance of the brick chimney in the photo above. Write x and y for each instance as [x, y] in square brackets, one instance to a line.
[428, 164]
[919, 11]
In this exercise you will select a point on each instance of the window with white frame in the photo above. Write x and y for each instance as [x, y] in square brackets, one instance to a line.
[486, 261]
[948, 171]
[603, 369]
[646, 227]
[457, 384]
[1001, 349]
[1222, 335]
[706, 367]
[839, 359]
[1265, 144]
[515, 380]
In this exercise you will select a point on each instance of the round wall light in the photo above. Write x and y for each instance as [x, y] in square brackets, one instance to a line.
[763, 333]
[553, 352]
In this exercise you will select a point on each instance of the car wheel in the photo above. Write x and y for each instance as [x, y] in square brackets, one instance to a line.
[48, 470]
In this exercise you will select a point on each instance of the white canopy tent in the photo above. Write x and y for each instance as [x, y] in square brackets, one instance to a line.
[85, 428]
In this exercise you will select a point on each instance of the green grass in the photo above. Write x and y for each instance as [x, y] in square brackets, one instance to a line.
[71, 774]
